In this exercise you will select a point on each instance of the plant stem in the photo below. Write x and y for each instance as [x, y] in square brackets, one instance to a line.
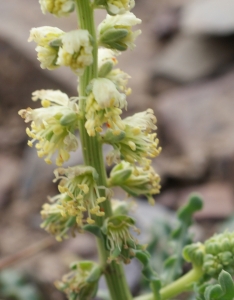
[92, 153]
[177, 287]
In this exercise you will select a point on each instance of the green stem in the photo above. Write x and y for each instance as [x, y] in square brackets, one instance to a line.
[92, 153]
[177, 287]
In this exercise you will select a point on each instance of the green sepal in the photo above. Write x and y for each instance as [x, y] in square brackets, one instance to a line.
[105, 69]
[71, 221]
[94, 229]
[56, 43]
[120, 177]
[118, 46]
[113, 35]
[94, 275]
[68, 119]
[116, 221]
[114, 254]
[111, 138]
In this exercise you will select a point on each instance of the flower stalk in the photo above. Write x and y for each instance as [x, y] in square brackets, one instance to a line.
[92, 153]
[183, 284]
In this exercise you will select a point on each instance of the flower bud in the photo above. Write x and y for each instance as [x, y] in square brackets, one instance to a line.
[194, 253]
[219, 254]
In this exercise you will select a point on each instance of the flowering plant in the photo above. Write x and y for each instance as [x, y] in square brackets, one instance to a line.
[84, 202]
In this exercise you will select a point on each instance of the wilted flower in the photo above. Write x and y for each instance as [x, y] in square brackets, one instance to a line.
[82, 281]
[53, 125]
[56, 223]
[48, 40]
[76, 51]
[104, 105]
[58, 8]
[116, 32]
[119, 240]
[135, 181]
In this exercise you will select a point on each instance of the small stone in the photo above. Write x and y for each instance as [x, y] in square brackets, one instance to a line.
[213, 17]
[197, 125]
[189, 58]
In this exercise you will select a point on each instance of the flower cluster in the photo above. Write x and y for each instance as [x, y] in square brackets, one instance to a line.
[79, 194]
[56, 48]
[135, 180]
[115, 32]
[53, 125]
[103, 105]
[102, 99]
[135, 143]
[215, 255]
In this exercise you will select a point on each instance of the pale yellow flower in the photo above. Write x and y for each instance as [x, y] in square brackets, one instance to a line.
[47, 48]
[76, 51]
[58, 8]
[53, 125]
[104, 105]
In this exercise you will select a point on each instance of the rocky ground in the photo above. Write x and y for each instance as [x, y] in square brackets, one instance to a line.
[183, 68]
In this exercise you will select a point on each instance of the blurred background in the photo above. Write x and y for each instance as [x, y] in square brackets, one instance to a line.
[182, 67]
